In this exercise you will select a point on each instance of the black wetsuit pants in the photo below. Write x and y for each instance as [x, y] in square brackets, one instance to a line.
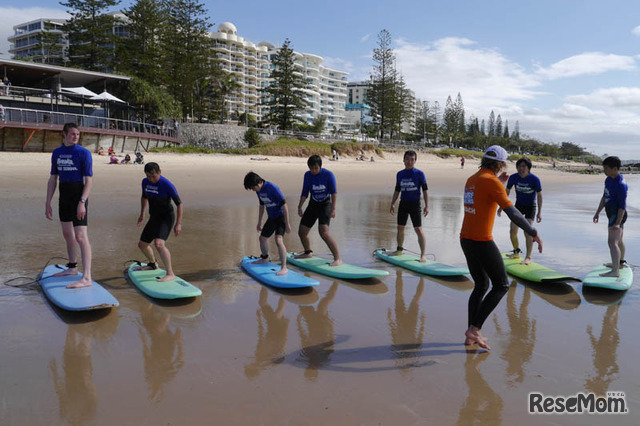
[485, 264]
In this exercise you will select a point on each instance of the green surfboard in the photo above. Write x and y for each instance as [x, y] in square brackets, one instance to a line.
[623, 282]
[534, 272]
[147, 282]
[344, 271]
[413, 263]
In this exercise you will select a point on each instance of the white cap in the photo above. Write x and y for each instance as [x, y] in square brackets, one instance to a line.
[496, 152]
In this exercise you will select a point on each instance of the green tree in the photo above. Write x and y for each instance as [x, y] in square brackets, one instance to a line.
[153, 102]
[381, 95]
[50, 44]
[285, 98]
[90, 32]
[499, 129]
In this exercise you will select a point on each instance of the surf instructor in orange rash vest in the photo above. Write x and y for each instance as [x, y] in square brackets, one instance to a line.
[483, 193]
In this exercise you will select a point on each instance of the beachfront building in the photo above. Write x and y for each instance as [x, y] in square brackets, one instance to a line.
[250, 65]
[26, 44]
[35, 40]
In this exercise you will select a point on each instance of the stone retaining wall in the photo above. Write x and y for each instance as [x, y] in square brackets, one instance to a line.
[215, 136]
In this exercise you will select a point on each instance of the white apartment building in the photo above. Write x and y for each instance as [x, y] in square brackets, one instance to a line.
[25, 41]
[250, 65]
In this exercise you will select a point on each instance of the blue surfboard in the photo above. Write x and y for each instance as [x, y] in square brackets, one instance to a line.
[74, 299]
[266, 274]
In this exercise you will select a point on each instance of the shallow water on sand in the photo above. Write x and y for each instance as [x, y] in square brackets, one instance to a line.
[385, 351]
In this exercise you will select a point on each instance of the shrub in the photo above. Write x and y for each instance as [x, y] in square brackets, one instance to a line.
[252, 137]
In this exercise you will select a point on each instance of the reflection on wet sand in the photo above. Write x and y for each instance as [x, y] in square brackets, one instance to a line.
[318, 337]
[522, 335]
[272, 335]
[483, 406]
[559, 294]
[605, 351]
[408, 326]
[161, 348]
[77, 394]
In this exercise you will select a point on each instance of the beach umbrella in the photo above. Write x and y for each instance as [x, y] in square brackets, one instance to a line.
[106, 96]
[82, 91]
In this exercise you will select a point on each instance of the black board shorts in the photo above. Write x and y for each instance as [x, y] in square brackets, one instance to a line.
[529, 212]
[276, 225]
[158, 227]
[320, 211]
[612, 215]
[70, 195]
[410, 208]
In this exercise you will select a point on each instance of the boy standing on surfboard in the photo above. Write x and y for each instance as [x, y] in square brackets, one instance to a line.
[409, 182]
[72, 165]
[528, 191]
[322, 207]
[157, 192]
[614, 201]
[270, 196]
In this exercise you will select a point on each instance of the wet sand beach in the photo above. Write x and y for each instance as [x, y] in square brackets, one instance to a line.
[386, 351]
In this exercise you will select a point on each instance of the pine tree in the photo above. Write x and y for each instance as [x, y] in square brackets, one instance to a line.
[90, 30]
[450, 120]
[285, 94]
[382, 94]
[516, 132]
[492, 125]
[498, 132]
[506, 130]
[482, 132]
[50, 44]
[459, 107]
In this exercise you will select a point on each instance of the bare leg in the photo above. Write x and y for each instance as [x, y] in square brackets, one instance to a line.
[82, 238]
[72, 252]
[529, 243]
[331, 243]
[623, 249]
[264, 250]
[513, 235]
[146, 249]
[282, 251]
[303, 233]
[615, 235]
[165, 255]
[399, 239]
[422, 242]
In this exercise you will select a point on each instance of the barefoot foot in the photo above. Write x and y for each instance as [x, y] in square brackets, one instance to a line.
[282, 271]
[611, 274]
[526, 261]
[82, 282]
[423, 259]
[473, 335]
[303, 256]
[336, 262]
[66, 272]
[168, 277]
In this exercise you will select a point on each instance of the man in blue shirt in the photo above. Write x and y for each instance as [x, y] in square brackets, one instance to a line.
[271, 198]
[528, 192]
[158, 192]
[321, 183]
[409, 182]
[72, 165]
[614, 201]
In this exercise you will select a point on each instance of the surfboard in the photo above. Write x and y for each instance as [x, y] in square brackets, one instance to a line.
[623, 282]
[344, 271]
[74, 299]
[266, 274]
[413, 263]
[533, 271]
[147, 282]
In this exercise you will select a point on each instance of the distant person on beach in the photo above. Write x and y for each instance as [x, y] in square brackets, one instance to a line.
[462, 160]
[113, 159]
[72, 165]
[101, 151]
[614, 201]
[321, 184]
[139, 158]
[158, 192]
[271, 198]
[528, 191]
[126, 159]
[483, 193]
[409, 182]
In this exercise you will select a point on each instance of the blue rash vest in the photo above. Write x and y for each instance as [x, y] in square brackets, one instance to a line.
[271, 197]
[409, 183]
[321, 185]
[160, 195]
[615, 193]
[71, 163]
[526, 188]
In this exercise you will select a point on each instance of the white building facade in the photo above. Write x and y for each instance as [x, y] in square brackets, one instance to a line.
[25, 41]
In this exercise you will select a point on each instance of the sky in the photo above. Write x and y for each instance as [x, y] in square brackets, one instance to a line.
[566, 70]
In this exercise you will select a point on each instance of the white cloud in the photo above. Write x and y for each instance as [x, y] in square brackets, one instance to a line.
[588, 63]
[365, 37]
[614, 97]
[486, 78]
[10, 16]
[636, 31]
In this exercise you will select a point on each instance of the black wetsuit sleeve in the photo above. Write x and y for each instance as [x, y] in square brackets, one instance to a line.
[517, 218]
[176, 200]
[144, 195]
[398, 189]
[261, 202]
[282, 203]
[425, 187]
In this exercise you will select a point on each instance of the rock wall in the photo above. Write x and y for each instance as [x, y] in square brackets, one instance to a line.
[215, 136]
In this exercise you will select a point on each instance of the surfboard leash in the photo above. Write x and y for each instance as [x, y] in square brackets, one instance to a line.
[32, 279]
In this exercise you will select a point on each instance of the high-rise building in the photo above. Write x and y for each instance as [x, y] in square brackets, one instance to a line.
[27, 42]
